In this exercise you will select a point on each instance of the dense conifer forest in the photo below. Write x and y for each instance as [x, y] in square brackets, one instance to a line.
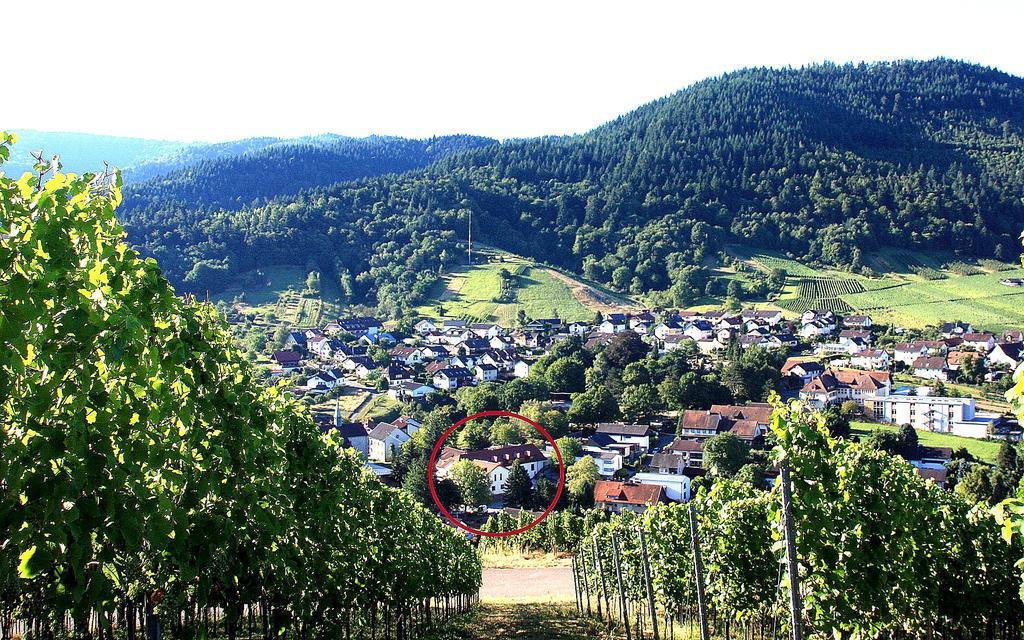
[824, 162]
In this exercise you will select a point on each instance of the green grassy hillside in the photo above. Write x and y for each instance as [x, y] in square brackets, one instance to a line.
[474, 293]
[919, 289]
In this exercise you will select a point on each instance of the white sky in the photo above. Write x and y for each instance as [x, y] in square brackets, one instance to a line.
[223, 69]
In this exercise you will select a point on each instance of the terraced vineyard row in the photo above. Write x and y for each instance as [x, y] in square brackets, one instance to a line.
[813, 288]
[822, 293]
[800, 305]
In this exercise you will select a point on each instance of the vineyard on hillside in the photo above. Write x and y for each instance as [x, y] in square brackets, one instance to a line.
[822, 293]
[880, 553]
[148, 481]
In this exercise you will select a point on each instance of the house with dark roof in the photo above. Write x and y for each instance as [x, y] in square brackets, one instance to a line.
[857, 322]
[931, 368]
[796, 373]
[287, 360]
[622, 433]
[398, 373]
[452, 378]
[326, 379]
[1007, 354]
[617, 497]
[385, 439]
[672, 472]
[613, 323]
[981, 342]
[950, 329]
[296, 340]
[360, 325]
[409, 390]
[355, 437]
[691, 450]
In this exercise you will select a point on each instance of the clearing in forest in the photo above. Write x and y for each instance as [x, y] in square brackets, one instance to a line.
[479, 293]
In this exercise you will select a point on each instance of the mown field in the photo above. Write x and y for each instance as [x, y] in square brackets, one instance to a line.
[473, 293]
[985, 450]
[911, 289]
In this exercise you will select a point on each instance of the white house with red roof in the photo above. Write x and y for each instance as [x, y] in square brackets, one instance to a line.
[496, 462]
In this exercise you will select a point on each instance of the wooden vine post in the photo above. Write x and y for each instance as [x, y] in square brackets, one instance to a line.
[792, 568]
[586, 581]
[698, 575]
[576, 586]
[618, 579]
[604, 584]
[647, 583]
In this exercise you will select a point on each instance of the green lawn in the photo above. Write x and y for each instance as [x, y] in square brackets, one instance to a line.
[982, 449]
[469, 292]
[381, 407]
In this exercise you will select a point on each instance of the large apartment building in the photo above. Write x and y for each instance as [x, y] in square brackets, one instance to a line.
[957, 416]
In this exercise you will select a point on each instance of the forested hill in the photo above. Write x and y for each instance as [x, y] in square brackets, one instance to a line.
[232, 180]
[826, 162]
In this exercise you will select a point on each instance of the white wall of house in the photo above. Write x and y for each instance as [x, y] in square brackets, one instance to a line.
[932, 374]
[908, 357]
[383, 450]
[641, 441]
[677, 487]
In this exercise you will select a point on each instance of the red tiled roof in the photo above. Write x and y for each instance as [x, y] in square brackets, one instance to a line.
[697, 419]
[607, 491]
[746, 429]
[938, 475]
[680, 445]
[757, 411]
[836, 378]
[506, 455]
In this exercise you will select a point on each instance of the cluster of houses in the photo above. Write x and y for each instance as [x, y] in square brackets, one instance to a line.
[642, 464]
[938, 359]
[441, 356]
[449, 354]
[714, 331]
[862, 373]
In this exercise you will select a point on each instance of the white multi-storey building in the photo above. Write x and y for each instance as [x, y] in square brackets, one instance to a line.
[957, 416]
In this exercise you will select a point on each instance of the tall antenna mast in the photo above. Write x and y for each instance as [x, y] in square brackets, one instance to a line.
[470, 236]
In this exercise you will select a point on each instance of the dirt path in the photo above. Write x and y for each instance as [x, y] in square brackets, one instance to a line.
[590, 297]
[545, 584]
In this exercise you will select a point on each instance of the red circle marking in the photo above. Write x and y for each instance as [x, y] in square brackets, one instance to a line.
[431, 467]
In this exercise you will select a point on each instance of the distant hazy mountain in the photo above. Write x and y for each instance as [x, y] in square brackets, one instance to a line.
[230, 175]
[82, 152]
